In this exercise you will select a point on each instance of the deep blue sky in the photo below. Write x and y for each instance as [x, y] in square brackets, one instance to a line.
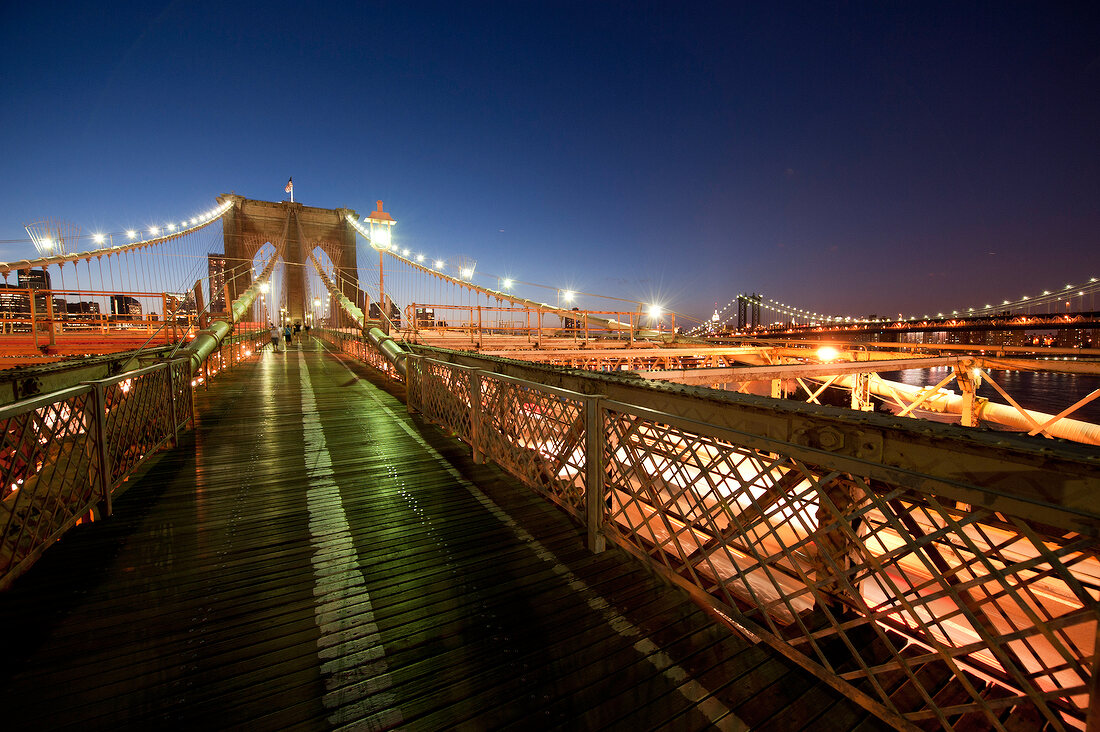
[854, 158]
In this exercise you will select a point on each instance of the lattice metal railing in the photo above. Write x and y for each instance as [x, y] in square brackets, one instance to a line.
[951, 607]
[50, 470]
[64, 455]
[877, 584]
[446, 398]
[536, 433]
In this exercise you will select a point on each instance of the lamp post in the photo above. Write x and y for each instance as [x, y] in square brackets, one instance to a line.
[381, 224]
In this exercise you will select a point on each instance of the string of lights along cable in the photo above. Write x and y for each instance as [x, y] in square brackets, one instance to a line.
[61, 255]
[1051, 299]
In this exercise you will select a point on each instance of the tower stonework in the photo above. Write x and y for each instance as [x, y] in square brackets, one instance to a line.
[248, 225]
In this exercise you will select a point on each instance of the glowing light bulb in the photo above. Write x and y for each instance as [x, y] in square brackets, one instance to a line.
[404, 252]
[420, 257]
[567, 295]
[153, 230]
[47, 242]
[506, 284]
[131, 233]
[439, 264]
[655, 311]
[467, 273]
[171, 227]
[98, 238]
[827, 353]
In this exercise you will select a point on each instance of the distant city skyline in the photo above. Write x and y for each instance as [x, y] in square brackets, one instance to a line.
[849, 159]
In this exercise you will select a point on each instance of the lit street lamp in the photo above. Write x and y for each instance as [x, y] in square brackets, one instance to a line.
[655, 312]
[381, 224]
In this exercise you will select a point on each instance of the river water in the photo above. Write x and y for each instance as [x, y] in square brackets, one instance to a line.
[1043, 392]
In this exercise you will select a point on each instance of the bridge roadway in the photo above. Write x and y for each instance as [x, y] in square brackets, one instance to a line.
[313, 558]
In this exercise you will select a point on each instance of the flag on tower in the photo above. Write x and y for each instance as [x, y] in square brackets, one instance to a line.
[289, 185]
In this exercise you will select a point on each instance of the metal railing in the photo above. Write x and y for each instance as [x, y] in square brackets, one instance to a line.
[43, 314]
[935, 576]
[65, 455]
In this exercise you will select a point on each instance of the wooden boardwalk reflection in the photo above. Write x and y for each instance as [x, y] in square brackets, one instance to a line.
[312, 558]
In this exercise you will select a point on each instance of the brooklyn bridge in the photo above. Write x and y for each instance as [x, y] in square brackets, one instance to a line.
[436, 501]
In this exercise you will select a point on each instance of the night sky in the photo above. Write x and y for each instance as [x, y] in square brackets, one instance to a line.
[853, 158]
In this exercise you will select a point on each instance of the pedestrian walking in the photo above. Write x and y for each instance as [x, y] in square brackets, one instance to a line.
[307, 330]
[288, 335]
[274, 331]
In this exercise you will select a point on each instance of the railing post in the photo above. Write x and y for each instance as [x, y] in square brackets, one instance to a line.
[169, 333]
[594, 506]
[173, 434]
[49, 316]
[412, 383]
[100, 430]
[475, 416]
[34, 319]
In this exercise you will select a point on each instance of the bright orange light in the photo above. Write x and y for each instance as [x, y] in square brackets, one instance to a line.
[827, 353]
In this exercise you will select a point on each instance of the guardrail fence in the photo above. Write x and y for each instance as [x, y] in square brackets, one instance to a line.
[928, 608]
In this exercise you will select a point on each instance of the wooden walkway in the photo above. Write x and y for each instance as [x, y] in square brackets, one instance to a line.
[312, 558]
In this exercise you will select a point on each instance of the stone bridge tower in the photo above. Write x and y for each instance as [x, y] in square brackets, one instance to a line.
[249, 224]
